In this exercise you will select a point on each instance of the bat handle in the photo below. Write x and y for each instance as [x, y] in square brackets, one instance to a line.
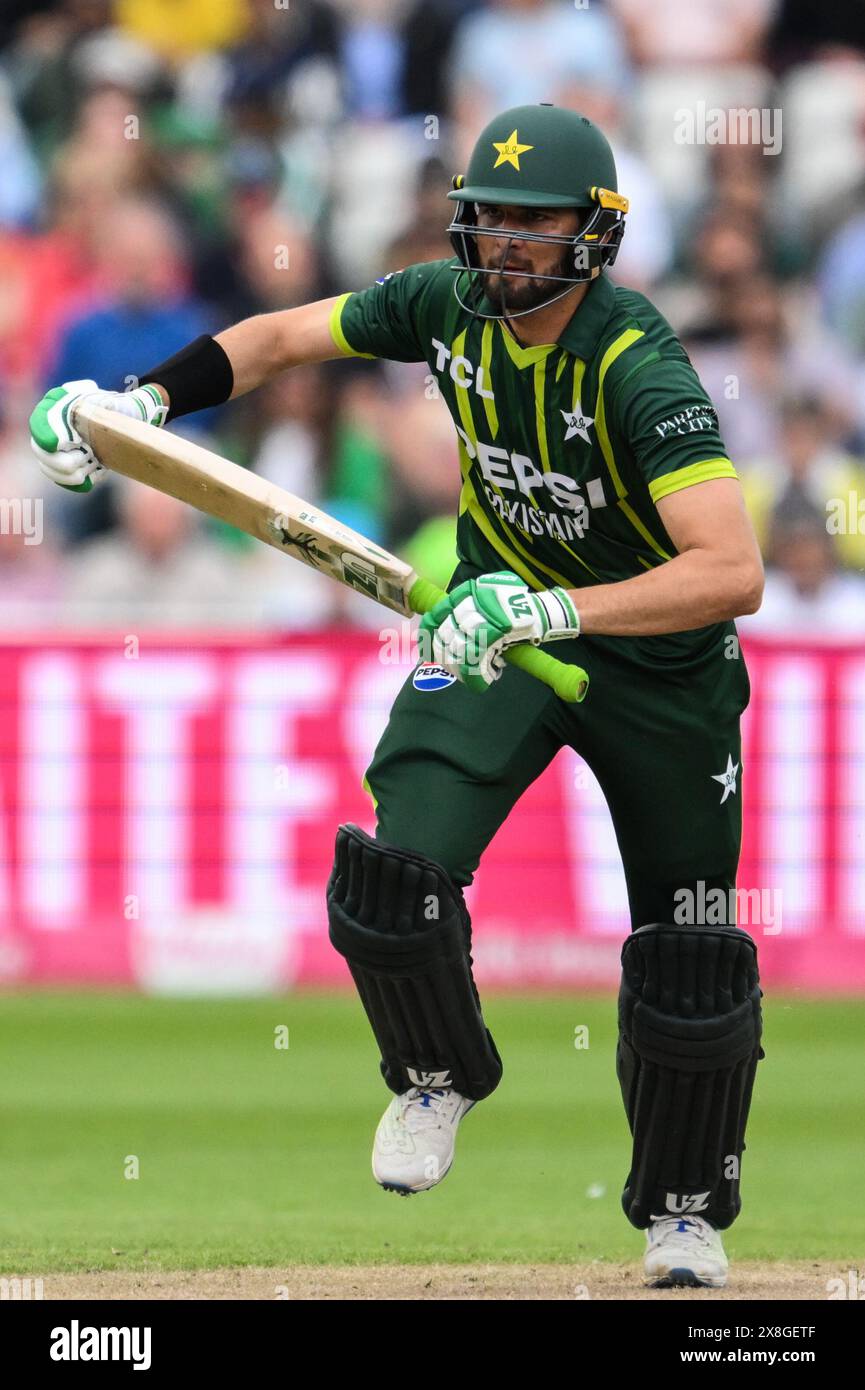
[569, 682]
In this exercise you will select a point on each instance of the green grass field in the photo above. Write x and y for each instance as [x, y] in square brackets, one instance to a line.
[253, 1155]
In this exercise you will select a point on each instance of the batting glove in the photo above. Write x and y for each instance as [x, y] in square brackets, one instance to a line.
[469, 630]
[63, 455]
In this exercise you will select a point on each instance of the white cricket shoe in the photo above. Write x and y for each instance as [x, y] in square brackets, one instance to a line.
[415, 1139]
[685, 1252]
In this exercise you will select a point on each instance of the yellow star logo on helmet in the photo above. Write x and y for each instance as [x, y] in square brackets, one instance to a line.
[510, 150]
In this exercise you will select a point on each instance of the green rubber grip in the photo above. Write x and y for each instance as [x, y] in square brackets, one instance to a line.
[569, 682]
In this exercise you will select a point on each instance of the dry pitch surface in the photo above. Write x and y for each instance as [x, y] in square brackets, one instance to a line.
[750, 1280]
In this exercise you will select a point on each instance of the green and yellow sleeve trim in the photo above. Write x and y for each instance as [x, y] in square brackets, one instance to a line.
[336, 332]
[702, 472]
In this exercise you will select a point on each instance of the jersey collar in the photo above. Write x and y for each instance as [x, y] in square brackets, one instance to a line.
[582, 333]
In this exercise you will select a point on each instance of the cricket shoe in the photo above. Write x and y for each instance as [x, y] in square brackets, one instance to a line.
[685, 1252]
[415, 1139]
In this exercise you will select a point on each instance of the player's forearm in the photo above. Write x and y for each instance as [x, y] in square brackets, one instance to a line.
[260, 348]
[253, 349]
[692, 590]
[248, 354]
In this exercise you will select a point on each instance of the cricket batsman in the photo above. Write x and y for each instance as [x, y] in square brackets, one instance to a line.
[598, 511]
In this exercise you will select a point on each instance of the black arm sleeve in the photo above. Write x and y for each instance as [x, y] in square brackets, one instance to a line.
[196, 377]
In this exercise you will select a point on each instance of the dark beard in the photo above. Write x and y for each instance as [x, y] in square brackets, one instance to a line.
[531, 295]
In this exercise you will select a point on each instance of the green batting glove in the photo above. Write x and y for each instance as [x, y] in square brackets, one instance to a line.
[63, 455]
[469, 629]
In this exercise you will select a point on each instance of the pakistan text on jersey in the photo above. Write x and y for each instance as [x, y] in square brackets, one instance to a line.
[532, 521]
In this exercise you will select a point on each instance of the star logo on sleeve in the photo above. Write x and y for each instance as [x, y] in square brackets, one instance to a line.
[510, 151]
[577, 423]
[727, 778]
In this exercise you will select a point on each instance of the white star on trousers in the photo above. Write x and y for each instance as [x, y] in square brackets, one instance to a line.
[727, 778]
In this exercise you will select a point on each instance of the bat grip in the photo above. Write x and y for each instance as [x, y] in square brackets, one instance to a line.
[569, 682]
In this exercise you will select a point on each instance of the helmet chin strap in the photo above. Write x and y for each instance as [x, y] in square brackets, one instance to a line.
[510, 327]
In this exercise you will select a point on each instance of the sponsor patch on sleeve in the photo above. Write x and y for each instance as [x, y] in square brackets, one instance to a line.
[691, 420]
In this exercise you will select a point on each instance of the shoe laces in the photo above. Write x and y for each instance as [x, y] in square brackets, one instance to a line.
[424, 1107]
[682, 1230]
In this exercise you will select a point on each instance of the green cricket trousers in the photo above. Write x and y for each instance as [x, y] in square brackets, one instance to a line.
[660, 732]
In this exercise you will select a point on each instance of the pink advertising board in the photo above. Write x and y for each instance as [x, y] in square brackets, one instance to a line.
[168, 808]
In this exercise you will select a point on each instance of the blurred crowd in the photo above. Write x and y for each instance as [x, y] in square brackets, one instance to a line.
[171, 166]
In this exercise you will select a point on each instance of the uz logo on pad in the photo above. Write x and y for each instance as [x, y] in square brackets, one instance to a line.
[433, 1078]
[695, 1201]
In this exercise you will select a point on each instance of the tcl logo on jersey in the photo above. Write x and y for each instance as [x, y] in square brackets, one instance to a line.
[462, 371]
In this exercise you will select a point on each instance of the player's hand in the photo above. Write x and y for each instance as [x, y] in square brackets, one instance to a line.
[468, 631]
[63, 455]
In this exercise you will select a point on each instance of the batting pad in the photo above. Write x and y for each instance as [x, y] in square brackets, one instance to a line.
[405, 932]
[689, 1042]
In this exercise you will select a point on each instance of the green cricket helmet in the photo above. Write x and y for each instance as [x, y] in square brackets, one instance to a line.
[544, 157]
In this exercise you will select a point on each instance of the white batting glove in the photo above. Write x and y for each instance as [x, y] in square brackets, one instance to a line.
[469, 629]
[63, 455]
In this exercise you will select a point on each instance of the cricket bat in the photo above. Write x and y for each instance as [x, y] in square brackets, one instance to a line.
[233, 494]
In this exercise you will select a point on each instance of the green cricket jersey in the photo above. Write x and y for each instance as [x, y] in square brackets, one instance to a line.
[564, 448]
